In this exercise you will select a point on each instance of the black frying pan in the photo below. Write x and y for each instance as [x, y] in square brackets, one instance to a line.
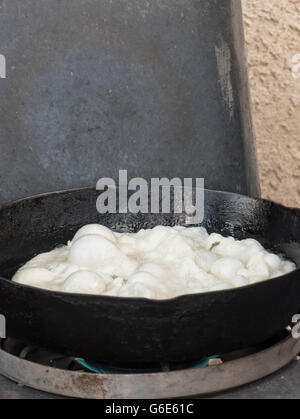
[138, 330]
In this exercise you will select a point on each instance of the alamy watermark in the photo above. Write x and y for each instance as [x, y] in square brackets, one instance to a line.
[296, 327]
[2, 67]
[160, 195]
[2, 327]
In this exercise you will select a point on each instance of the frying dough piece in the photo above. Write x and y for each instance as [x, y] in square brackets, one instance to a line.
[81, 281]
[159, 263]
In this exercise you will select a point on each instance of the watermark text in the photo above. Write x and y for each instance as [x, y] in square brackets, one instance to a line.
[2, 67]
[2, 327]
[296, 328]
[160, 195]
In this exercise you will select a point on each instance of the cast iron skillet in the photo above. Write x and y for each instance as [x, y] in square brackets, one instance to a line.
[138, 330]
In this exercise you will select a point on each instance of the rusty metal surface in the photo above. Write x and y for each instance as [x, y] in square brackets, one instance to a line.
[191, 382]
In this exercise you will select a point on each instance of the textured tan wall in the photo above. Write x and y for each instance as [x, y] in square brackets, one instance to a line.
[273, 38]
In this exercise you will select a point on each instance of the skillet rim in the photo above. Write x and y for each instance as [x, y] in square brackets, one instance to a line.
[94, 297]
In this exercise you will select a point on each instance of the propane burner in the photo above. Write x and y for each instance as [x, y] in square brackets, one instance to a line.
[98, 368]
[62, 362]
[73, 377]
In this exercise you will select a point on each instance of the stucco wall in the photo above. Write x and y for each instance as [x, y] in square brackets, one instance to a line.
[273, 38]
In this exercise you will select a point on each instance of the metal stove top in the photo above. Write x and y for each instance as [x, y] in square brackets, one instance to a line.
[56, 374]
[283, 385]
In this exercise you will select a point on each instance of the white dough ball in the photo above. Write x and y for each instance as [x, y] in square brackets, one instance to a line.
[93, 251]
[178, 247]
[62, 270]
[152, 257]
[195, 290]
[115, 286]
[95, 229]
[205, 260]
[273, 261]
[187, 267]
[151, 282]
[84, 282]
[253, 248]
[252, 243]
[226, 268]
[239, 281]
[151, 239]
[128, 244]
[107, 278]
[258, 266]
[213, 240]
[288, 267]
[245, 273]
[202, 280]
[138, 290]
[276, 274]
[59, 255]
[34, 277]
[230, 248]
[155, 269]
[220, 286]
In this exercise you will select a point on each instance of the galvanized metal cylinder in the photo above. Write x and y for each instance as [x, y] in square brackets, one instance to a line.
[158, 87]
